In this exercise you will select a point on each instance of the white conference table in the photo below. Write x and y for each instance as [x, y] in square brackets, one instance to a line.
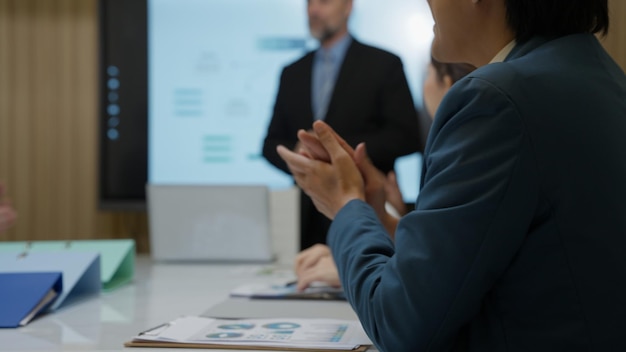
[159, 293]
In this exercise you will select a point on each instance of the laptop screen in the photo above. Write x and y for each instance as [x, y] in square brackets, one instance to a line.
[209, 223]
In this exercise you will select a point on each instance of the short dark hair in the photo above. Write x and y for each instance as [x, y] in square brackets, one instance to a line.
[454, 71]
[556, 18]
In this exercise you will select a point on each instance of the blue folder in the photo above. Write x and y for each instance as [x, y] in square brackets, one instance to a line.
[25, 295]
[80, 271]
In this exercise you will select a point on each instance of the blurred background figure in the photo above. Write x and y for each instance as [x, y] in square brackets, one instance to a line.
[7, 213]
[359, 90]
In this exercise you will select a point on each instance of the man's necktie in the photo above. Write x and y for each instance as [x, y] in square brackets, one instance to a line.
[325, 88]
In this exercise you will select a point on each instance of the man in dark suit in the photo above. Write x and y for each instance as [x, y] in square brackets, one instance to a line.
[518, 240]
[359, 90]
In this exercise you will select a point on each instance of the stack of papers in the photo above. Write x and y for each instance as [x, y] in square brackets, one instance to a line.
[282, 334]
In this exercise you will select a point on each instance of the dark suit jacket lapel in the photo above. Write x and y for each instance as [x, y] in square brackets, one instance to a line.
[307, 81]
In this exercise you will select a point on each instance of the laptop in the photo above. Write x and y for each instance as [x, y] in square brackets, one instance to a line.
[209, 223]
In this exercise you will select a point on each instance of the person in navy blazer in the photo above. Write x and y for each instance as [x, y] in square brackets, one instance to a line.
[370, 102]
[518, 239]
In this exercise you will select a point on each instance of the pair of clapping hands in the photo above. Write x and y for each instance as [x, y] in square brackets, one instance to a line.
[332, 173]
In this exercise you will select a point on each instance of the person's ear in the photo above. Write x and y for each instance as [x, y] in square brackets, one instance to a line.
[348, 7]
[447, 81]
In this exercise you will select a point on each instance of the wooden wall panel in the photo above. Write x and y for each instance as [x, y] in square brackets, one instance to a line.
[48, 119]
[615, 42]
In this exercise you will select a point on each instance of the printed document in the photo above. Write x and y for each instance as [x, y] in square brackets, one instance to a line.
[331, 334]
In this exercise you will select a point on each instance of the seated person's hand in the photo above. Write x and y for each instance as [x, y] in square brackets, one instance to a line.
[310, 256]
[374, 180]
[316, 264]
[393, 194]
[376, 186]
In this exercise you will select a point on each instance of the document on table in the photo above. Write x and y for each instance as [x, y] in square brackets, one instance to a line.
[287, 290]
[282, 334]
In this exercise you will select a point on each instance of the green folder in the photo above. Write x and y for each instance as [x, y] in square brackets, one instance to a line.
[117, 257]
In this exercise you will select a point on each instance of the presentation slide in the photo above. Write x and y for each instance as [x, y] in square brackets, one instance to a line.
[214, 68]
